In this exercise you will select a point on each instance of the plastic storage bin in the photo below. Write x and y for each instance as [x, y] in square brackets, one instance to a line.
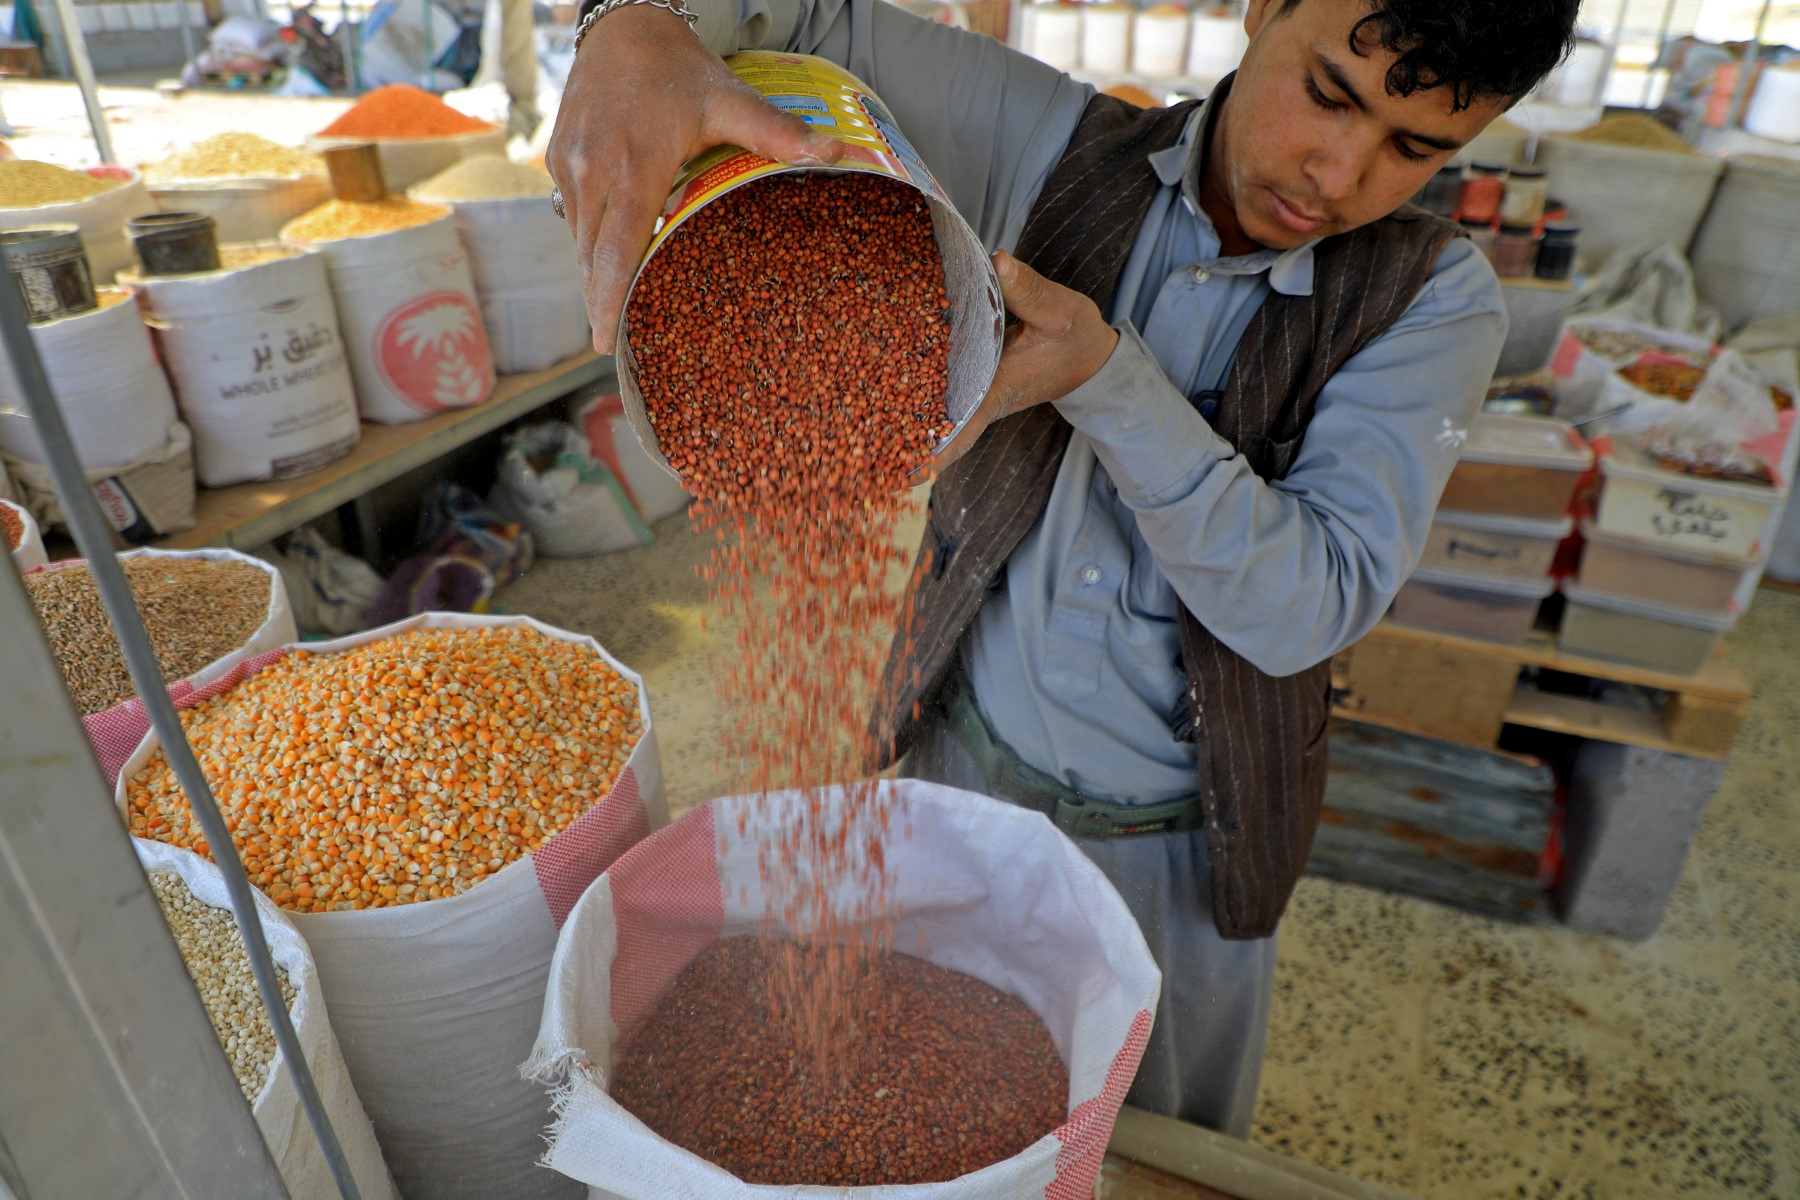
[1639, 499]
[1494, 546]
[1501, 610]
[1676, 640]
[1519, 467]
[1634, 570]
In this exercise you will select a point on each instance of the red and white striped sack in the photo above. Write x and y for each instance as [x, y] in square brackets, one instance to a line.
[435, 1004]
[986, 888]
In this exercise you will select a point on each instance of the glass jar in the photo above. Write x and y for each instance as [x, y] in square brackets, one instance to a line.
[1527, 188]
[1515, 251]
[1442, 193]
[1482, 190]
[1556, 253]
[1481, 233]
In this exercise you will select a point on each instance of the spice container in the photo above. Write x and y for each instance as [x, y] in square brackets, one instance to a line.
[1634, 570]
[1442, 193]
[1518, 466]
[1556, 253]
[1481, 236]
[1515, 251]
[1482, 190]
[1639, 632]
[1497, 547]
[175, 243]
[1639, 499]
[51, 268]
[1502, 610]
[1527, 189]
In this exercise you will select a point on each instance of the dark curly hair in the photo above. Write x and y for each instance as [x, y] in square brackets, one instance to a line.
[1476, 48]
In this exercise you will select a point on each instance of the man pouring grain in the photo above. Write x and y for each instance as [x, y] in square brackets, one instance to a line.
[1237, 385]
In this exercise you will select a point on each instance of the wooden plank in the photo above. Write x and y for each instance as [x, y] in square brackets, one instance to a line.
[1602, 722]
[1229, 1165]
[1719, 678]
[1710, 726]
[251, 514]
[1392, 857]
[1122, 1179]
[1438, 690]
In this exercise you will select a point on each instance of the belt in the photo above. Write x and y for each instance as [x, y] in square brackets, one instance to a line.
[1071, 811]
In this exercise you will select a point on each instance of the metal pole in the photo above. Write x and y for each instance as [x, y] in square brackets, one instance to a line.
[187, 32]
[1740, 95]
[83, 67]
[93, 535]
[1662, 37]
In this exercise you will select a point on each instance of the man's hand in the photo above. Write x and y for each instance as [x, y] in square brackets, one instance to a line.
[1059, 343]
[643, 97]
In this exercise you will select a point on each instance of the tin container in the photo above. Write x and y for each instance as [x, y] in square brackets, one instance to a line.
[831, 99]
[51, 267]
[175, 243]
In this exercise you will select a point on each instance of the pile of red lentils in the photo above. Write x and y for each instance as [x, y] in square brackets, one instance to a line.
[12, 525]
[792, 342]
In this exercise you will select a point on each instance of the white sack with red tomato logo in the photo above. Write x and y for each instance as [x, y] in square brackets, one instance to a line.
[412, 326]
[983, 887]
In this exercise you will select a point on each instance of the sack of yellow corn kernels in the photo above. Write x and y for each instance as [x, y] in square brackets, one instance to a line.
[428, 800]
[198, 910]
[200, 607]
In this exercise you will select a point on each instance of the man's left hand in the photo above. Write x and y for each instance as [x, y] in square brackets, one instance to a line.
[1058, 344]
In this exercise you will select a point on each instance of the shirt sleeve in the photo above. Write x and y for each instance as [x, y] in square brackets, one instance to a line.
[1288, 573]
[990, 123]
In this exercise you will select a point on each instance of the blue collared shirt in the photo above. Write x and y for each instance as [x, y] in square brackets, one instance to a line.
[1075, 659]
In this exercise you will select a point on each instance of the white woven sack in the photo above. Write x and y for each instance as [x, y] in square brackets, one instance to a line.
[406, 161]
[1747, 255]
[142, 500]
[279, 1115]
[113, 395]
[526, 279]
[1628, 195]
[259, 368]
[6, 487]
[29, 552]
[654, 492]
[986, 888]
[406, 301]
[435, 1004]
[116, 732]
[101, 220]
[244, 210]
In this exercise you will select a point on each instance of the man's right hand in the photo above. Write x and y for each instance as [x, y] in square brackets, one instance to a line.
[643, 97]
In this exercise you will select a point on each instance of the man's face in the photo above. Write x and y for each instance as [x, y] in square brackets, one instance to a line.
[1312, 142]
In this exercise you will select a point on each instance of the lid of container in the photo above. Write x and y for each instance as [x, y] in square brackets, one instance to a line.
[1705, 558]
[1489, 168]
[1471, 224]
[1529, 173]
[1510, 229]
[1474, 581]
[1624, 462]
[1626, 606]
[1501, 523]
[1449, 171]
[1561, 230]
[1548, 442]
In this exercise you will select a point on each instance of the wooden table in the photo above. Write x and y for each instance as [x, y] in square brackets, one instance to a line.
[249, 515]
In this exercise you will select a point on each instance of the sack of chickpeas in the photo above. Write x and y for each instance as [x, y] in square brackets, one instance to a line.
[198, 910]
[199, 607]
[426, 801]
[983, 1051]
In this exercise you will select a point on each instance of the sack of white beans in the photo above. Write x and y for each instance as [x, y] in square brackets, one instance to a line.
[374, 777]
[195, 619]
[198, 910]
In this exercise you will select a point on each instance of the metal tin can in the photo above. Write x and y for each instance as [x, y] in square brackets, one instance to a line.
[175, 243]
[51, 266]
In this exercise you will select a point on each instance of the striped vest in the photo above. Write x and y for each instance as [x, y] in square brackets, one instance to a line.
[1260, 740]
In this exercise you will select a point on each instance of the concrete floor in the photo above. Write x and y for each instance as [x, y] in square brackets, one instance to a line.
[1439, 1054]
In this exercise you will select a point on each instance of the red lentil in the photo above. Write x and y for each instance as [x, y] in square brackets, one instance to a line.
[792, 343]
[407, 769]
[13, 525]
[399, 110]
[950, 1074]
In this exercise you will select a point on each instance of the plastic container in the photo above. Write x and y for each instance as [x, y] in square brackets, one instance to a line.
[1106, 37]
[1518, 466]
[1159, 41]
[1053, 34]
[1497, 547]
[1501, 610]
[1481, 235]
[1216, 44]
[1527, 188]
[1641, 500]
[1632, 570]
[1556, 253]
[1482, 191]
[1676, 640]
[1442, 193]
[1515, 251]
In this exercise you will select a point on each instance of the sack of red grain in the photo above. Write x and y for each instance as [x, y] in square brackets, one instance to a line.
[23, 540]
[415, 749]
[198, 909]
[984, 888]
[406, 303]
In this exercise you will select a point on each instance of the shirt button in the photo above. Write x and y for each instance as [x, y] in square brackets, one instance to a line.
[1090, 575]
[1201, 275]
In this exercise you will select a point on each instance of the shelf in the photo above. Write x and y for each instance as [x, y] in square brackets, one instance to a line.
[249, 515]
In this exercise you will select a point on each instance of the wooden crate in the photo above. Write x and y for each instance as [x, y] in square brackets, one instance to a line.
[20, 59]
[1465, 690]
